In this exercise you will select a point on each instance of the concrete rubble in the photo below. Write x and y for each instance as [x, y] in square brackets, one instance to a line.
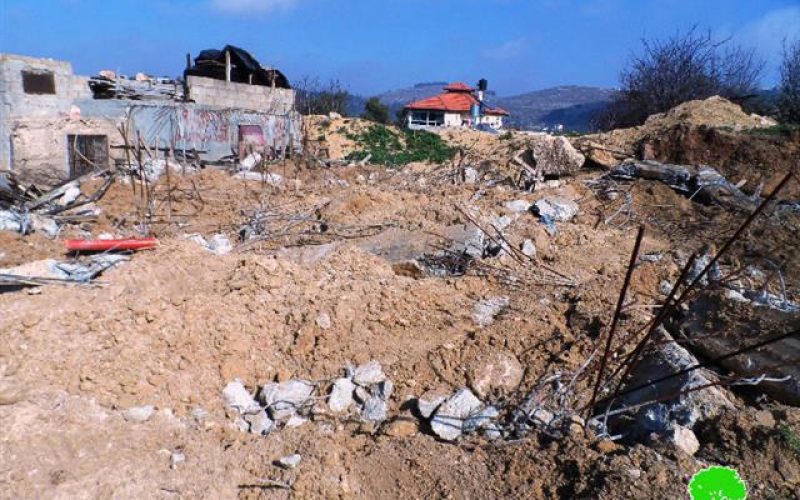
[365, 392]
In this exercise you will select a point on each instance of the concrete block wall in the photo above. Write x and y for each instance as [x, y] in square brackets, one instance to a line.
[15, 103]
[41, 149]
[211, 92]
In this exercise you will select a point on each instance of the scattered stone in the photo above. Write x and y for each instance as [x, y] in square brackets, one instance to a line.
[219, 244]
[296, 421]
[542, 416]
[324, 321]
[260, 423]
[290, 461]
[241, 424]
[651, 257]
[176, 459]
[429, 402]
[139, 414]
[557, 209]
[486, 310]
[375, 410]
[634, 473]
[665, 288]
[236, 396]
[495, 370]
[448, 421]
[285, 398]
[683, 439]
[764, 418]
[369, 374]
[517, 206]
[529, 248]
[606, 446]
[341, 396]
[402, 427]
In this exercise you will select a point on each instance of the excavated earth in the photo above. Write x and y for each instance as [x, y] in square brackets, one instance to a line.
[176, 324]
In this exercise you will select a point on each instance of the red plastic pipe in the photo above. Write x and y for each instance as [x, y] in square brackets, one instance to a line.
[110, 245]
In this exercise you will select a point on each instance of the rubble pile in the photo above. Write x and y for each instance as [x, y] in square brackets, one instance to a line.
[495, 323]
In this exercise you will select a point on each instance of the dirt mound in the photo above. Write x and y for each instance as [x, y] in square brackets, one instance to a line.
[333, 137]
[610, 148]
[714, 112]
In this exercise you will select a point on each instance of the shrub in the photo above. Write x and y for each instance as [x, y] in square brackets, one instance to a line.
[682, 68]
[387, 147]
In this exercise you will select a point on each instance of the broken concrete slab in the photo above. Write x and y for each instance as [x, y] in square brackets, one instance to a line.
[260, 423]
[685, 410]
[341, 396]
[285, 398]
[238, 397]
[448, 421]
[375, 410]
[369, 374]
[555, 208]
[429, 402]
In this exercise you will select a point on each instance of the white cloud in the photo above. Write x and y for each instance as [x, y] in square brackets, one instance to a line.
[245, 7]
[767, 33]
[508, 50]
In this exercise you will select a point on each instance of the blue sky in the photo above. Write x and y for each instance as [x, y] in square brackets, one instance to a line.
[377, 45]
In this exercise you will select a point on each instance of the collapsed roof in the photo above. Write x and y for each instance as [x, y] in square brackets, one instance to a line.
[245, 68]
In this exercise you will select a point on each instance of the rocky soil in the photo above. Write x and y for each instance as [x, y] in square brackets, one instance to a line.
[358, 275]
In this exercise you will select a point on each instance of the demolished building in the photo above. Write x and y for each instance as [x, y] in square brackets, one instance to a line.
[55, 125]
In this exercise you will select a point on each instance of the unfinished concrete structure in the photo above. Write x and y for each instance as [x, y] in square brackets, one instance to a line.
[55, 125]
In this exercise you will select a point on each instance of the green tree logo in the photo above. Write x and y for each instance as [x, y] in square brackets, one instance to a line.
[717, 483]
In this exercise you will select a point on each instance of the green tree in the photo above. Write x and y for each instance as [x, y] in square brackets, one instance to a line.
[376, 111]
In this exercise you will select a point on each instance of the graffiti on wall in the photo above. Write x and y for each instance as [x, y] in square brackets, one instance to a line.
[215, 132]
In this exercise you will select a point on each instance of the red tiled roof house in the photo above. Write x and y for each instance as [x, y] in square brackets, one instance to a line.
[453, 108]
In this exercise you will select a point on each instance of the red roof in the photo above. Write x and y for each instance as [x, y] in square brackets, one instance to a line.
[458, 98]
[458, 87]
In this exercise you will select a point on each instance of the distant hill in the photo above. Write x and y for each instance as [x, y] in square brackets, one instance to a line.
[571, 106]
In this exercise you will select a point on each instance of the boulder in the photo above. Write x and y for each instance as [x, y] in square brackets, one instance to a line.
[555, 155]
[494, 370]
[448, 421]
